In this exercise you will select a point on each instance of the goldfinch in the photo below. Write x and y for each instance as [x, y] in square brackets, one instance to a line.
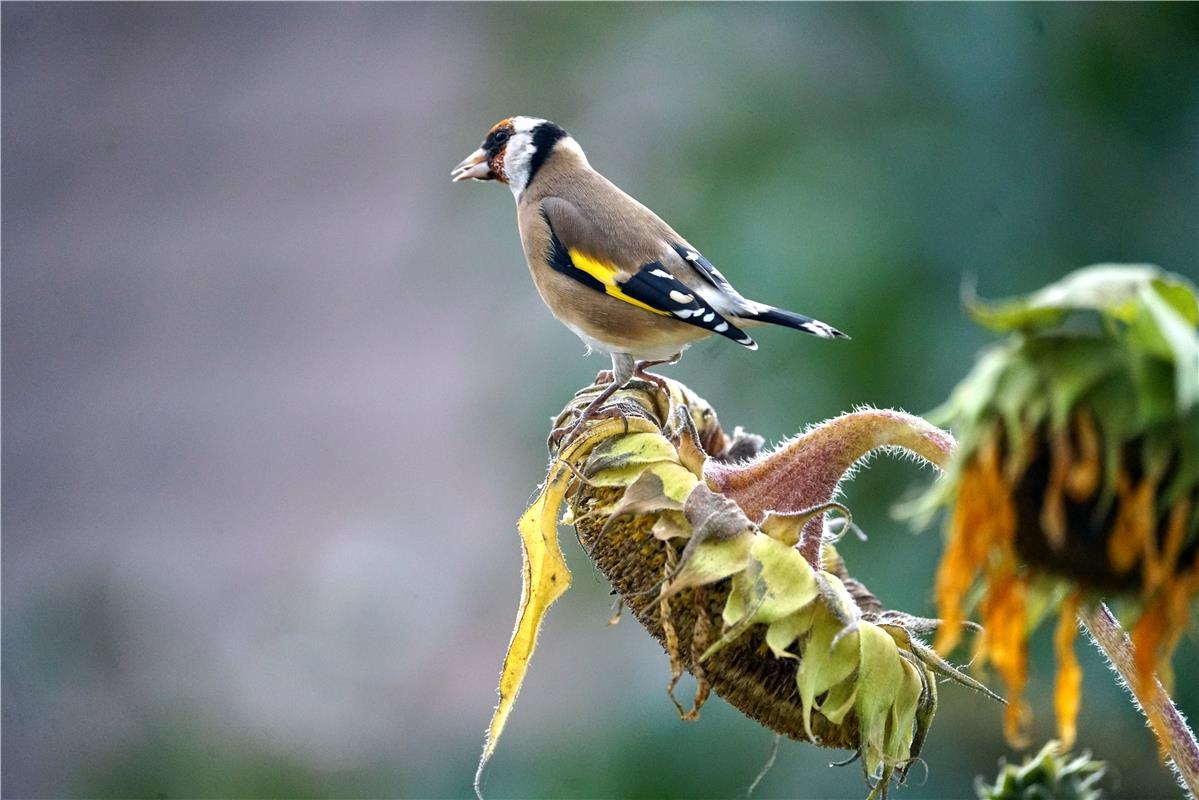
[606, 266]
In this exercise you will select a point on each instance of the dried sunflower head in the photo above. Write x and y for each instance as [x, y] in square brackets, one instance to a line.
[1077, 475]
[728, 566]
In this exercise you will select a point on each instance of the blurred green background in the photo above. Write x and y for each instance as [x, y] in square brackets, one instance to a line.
[275, 390]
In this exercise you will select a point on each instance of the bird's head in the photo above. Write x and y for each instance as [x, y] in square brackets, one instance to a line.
[514, 150]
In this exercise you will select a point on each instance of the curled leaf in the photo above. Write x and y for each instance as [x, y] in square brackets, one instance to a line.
[544, 575]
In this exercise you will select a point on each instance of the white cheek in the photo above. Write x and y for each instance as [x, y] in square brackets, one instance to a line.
[516, 165]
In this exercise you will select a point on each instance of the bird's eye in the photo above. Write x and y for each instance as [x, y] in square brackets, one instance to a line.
[501, 137]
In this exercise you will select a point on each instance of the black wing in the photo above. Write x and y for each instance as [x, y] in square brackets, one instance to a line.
[651, 287]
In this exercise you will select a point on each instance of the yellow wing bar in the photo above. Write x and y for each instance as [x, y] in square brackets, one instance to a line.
[606, 274]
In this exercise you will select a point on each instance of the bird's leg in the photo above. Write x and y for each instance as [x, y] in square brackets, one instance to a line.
[623, 368]
[639, 370]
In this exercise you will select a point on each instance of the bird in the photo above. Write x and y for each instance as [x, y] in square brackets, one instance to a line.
[608, 268]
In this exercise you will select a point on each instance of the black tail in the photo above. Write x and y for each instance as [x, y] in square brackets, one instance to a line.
[789, 319]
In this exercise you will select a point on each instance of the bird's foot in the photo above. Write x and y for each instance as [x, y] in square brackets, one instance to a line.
[559, 437]
[656, 380]
[639, 371]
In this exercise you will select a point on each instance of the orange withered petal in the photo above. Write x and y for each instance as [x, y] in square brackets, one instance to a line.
[1161, 565]
[983, 517]
[1067, 689]
[1053, 508]
[1132, 535]
[1087, 469]
[1147, 637]
[1004, 641]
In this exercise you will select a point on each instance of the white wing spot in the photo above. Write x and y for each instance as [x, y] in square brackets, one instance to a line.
[692, 255]
[709, 317]
[680, 297]
[756, 308]
[661, 273]
[722, 327]
[819, 328]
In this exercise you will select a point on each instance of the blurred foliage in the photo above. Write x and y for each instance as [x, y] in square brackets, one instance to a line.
[181, 763]
[1048, 775]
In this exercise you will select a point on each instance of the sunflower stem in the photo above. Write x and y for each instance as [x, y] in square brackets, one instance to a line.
[807, 470]
[1176, 738]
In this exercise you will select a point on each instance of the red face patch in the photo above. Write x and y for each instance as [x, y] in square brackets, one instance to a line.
[495, 146]
[496, 164]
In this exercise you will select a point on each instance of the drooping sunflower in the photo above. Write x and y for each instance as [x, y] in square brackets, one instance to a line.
[722, 554]
[1077, 475]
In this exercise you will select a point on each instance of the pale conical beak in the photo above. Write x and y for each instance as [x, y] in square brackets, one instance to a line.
[473, 166]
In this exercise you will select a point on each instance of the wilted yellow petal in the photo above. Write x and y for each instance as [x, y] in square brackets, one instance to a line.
[982, 518]
[1156, 633]
[1067, 690]
[1147, 637]
[671, 525]
[1053, 504]
[1087, 469]
[1132, 535]
[677, 480]
[776, 584]
[691, 451]
[1161, 566]
[1004, 642]
[544, 574]
[645, 495]
[659, 487]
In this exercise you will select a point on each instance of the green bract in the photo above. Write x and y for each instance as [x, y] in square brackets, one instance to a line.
[1119, 340]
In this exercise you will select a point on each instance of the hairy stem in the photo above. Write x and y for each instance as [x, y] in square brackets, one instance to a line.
[805, 472]
[1176, 738]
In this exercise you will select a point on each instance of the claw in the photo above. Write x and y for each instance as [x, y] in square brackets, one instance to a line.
[561, 435]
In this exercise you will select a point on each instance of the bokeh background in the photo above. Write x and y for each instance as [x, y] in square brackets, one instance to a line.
[275, 390]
